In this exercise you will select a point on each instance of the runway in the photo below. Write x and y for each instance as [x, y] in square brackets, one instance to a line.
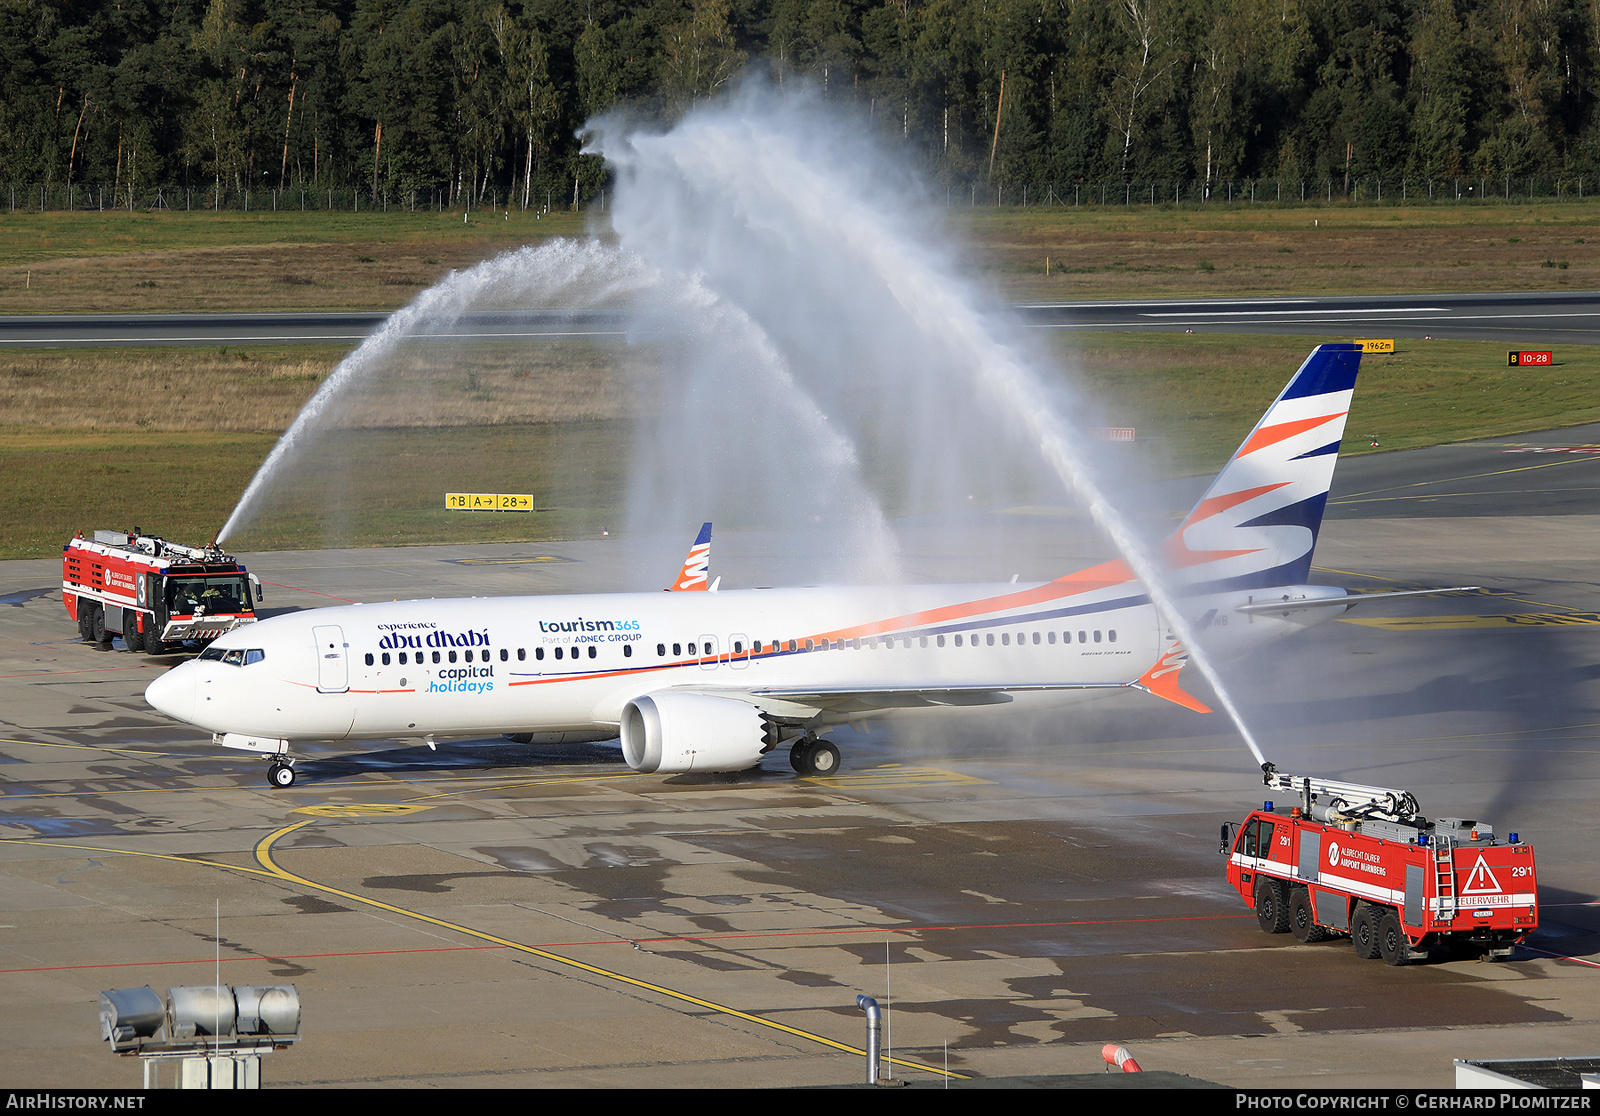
[1018, 892]
[1524, 318]
[1531, 318]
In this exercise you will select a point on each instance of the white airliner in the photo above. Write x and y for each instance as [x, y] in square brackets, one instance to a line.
[713, 681]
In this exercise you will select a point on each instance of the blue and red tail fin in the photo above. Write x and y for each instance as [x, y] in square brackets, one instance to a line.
[693, 576]
[1257, 524]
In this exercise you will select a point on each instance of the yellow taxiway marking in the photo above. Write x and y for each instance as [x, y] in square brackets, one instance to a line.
[550, 781]
[1355, 497]
[264, 858]
[361, 810]
[88, 747]
[1503, 620]
[270, 869]
[898, 776]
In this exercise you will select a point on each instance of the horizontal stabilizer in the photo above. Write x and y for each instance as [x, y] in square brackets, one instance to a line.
[1348, 601]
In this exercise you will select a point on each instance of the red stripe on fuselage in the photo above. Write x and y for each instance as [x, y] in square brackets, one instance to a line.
[1102, 576]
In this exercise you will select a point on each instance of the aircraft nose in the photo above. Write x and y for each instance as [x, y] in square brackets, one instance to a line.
[173, 693]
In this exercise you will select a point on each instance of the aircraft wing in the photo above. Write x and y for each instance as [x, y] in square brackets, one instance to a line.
[849, 700]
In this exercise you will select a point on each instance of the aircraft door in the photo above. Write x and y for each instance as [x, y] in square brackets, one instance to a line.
[708, 652]
[738, 650]
[333, 669]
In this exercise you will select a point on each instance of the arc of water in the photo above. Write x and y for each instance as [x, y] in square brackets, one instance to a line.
[597, 271]
[577, 274]
[942, 306]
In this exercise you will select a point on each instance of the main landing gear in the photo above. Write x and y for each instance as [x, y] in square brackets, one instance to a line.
[812, 756]
[281, 773]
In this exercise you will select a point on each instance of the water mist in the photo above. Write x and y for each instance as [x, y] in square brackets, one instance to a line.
[774, 199]
[823, 358]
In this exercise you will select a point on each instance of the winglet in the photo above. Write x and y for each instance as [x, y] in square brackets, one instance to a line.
[693, 575]
[1162, 680]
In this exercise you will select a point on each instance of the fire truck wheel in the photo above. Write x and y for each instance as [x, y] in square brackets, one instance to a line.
[86, 620]
[280, 775]
[1303, 919]
[1272, 909]
[101, 636]
[131, 635]
[1364, 931]
[1392, 941]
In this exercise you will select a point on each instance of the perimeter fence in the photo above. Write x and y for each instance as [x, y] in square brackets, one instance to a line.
[84, 197]
[1295, 191]
[1126, 192]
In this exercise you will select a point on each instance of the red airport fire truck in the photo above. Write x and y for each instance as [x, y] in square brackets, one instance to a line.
[153, 593]
[1361, 862]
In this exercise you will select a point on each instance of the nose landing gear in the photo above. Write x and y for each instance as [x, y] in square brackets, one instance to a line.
[281, 773]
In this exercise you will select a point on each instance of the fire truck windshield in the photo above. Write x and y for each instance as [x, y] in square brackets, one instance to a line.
[215, 594]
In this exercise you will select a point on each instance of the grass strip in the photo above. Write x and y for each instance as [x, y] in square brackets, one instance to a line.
[1190, 397]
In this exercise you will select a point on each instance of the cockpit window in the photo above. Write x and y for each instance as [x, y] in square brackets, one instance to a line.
[236, 656]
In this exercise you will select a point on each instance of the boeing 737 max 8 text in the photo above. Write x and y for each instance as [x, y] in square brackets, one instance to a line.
[713, 681]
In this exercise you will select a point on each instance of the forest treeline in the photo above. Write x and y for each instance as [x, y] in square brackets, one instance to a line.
[457, 100]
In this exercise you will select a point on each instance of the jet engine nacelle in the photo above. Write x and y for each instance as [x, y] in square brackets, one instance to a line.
[673, 733]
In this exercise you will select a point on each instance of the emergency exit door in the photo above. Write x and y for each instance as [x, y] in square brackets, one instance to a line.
[333, 671]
